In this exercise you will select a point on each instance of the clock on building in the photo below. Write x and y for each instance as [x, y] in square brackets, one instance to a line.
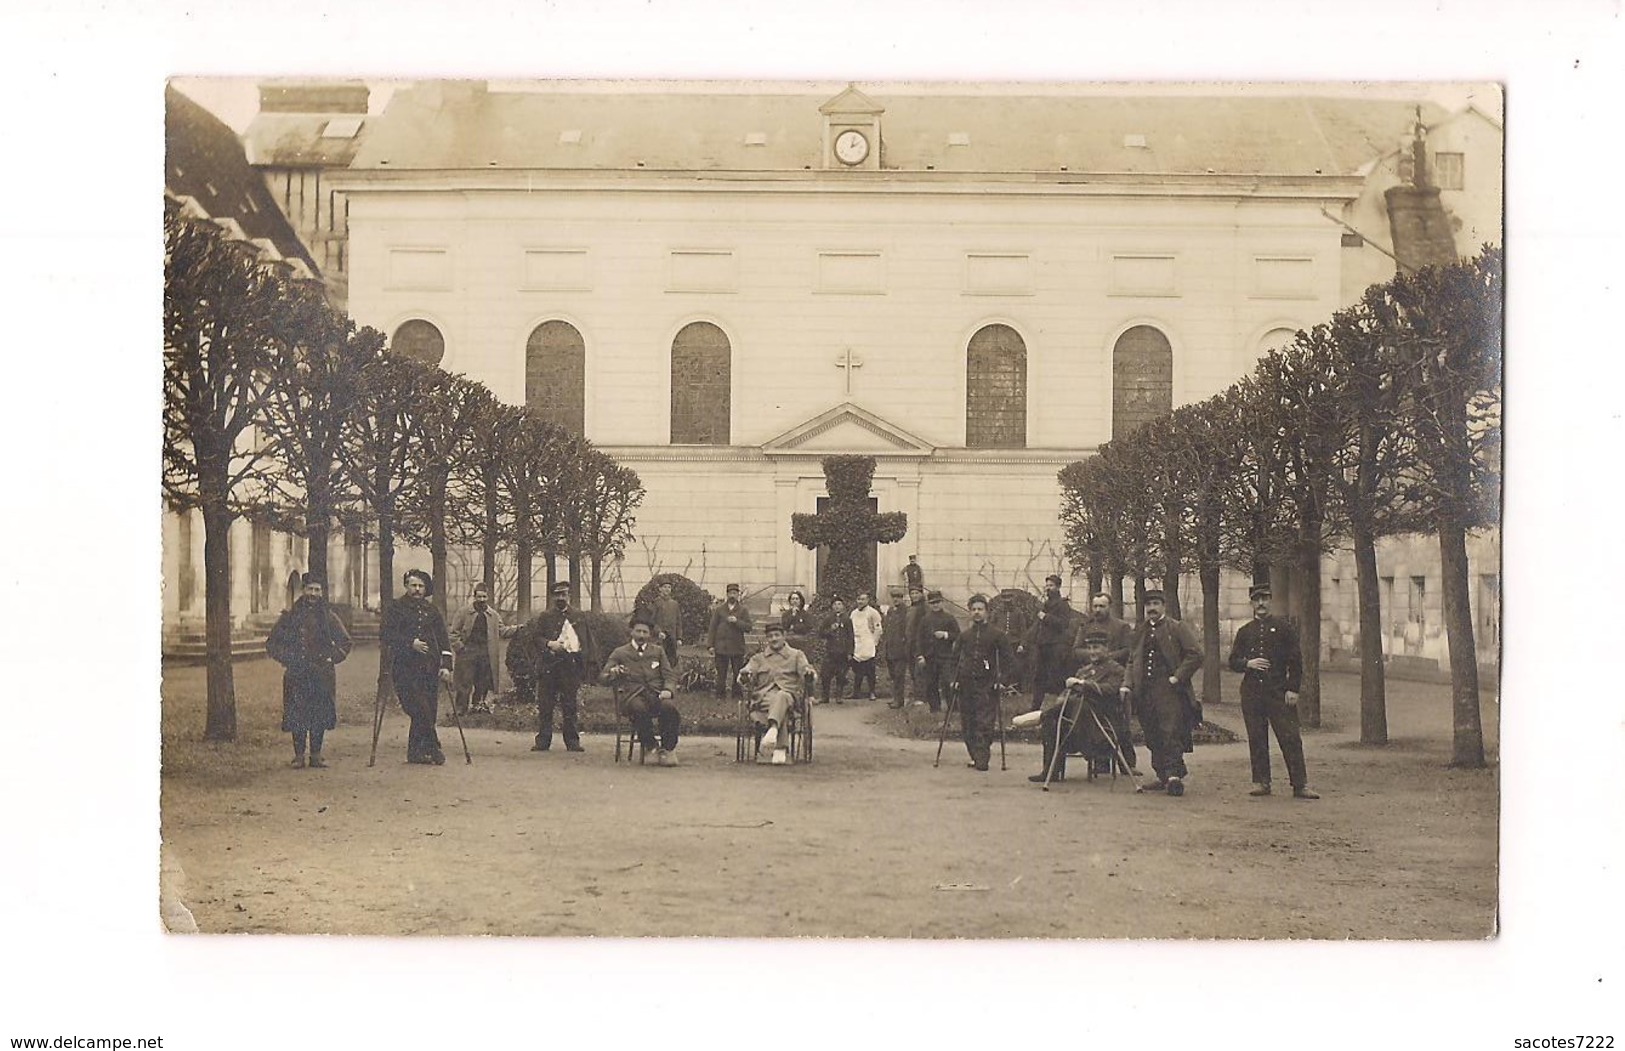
[851, 147]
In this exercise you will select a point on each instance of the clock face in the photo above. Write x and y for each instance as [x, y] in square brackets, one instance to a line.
[851, 147]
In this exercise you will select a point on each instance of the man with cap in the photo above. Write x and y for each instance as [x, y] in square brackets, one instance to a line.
[776, 679]
[668, 614]
[894, 646]
[981, 661]
[836, 631]
[561, 643]
[730, 623]
[1267, 654]
[934, 638]
[475, 630]
[1092, 690]
[913, 575]
[1162, 658]
[642, 677]
[308, 640]
[1051, 640]
[413, 636]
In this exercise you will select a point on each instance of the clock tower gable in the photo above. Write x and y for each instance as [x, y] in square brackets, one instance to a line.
[852, 131]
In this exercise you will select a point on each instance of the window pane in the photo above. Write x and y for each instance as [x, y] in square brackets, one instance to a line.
[701, 374]
[996, 390]
[419, 340]
[556, 375]
[1142, 379]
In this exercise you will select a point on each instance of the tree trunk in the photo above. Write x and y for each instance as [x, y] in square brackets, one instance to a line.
[575, 577]
[220, 722]
[488, 554]
[1139, 595]
[523, 555]
[1170, 569]
[551, 554]
[1458, 623]
[386, 589]
[1116, 588]
[1309, 622]
[597, 581]
[1095, 576]
[1373, 685]
[1211, 680]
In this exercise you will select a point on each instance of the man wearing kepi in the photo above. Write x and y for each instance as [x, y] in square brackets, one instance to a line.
[1091, 691]
[982, 658]
[642, 676]
[894, 644]
[562, 643]
[415, 642]
[775, 679]
[1164, 656]
[474, 632]
[1267, 654]
[730, 623]
[934, 638]
[308, 641]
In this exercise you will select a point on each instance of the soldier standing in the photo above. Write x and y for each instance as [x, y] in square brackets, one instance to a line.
[982, 657]
[308, 641]
[894, 644]
[1267, 654]
[836, 631]
[730, 622]
[1162, 660]
[1051, 642]
[562, 645]
[415, 642]
[934, 648]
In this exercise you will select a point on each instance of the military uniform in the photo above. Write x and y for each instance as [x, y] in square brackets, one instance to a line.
[1050, 640]
[1263, 695]
[836, 631]
[308, 641]
[417, 675]
[1099, 694]
[558, 672]
[894, 645]
[937, 653]
[1163, 650]
[982, 658]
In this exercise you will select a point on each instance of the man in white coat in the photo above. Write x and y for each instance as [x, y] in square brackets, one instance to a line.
[866, 624]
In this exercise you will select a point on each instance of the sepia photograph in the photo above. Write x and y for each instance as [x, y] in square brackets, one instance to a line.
[907, 524]
[696, 508]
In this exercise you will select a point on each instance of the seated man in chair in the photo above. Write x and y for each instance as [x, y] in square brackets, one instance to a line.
[1079, 719]
[642, 676]
[777, 679]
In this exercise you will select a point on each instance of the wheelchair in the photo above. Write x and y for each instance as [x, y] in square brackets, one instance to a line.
[796, 738]
[1090, 735]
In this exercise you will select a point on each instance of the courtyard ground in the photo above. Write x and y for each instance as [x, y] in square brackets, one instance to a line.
[868, 840]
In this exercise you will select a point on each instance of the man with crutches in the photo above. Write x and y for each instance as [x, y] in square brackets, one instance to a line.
[415, 642]
[1082, 719]
[981, 657]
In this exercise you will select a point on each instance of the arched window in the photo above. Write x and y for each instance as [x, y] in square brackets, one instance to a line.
[556, 375]
[1142, 379]
[419, 340]
[1275, 339]
[701, 375]
[996, 389]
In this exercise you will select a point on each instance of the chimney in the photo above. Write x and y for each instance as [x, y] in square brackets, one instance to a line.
[334, 96]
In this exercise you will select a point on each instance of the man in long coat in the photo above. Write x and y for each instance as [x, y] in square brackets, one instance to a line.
[836, 631]
[982, 659]
[561, 644]
[476, 631]
[730, 623]
[894, 646]
[308, 640]
[934, 649]
[414, 640]
[911, 626]
[642, 677]
[1164, 656]
[1050, 640]
[1267, 654]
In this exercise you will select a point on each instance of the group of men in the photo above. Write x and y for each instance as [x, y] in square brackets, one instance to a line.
[1086, 677]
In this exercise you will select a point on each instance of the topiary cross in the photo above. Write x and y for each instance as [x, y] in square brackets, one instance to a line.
[847, 525]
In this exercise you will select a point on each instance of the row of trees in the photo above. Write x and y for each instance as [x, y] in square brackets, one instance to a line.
[1384, 421]
[276, 405]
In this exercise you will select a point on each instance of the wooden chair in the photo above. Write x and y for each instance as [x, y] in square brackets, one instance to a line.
[799, 733]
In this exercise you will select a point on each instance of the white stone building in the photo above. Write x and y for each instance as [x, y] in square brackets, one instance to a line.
[979, 287]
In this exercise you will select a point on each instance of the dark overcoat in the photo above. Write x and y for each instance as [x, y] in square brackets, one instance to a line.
[308, 640]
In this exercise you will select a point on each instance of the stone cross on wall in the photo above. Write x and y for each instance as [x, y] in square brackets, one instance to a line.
[848, 362]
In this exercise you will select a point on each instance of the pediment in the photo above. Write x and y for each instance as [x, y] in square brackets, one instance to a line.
[847, 428]
[851, 101]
